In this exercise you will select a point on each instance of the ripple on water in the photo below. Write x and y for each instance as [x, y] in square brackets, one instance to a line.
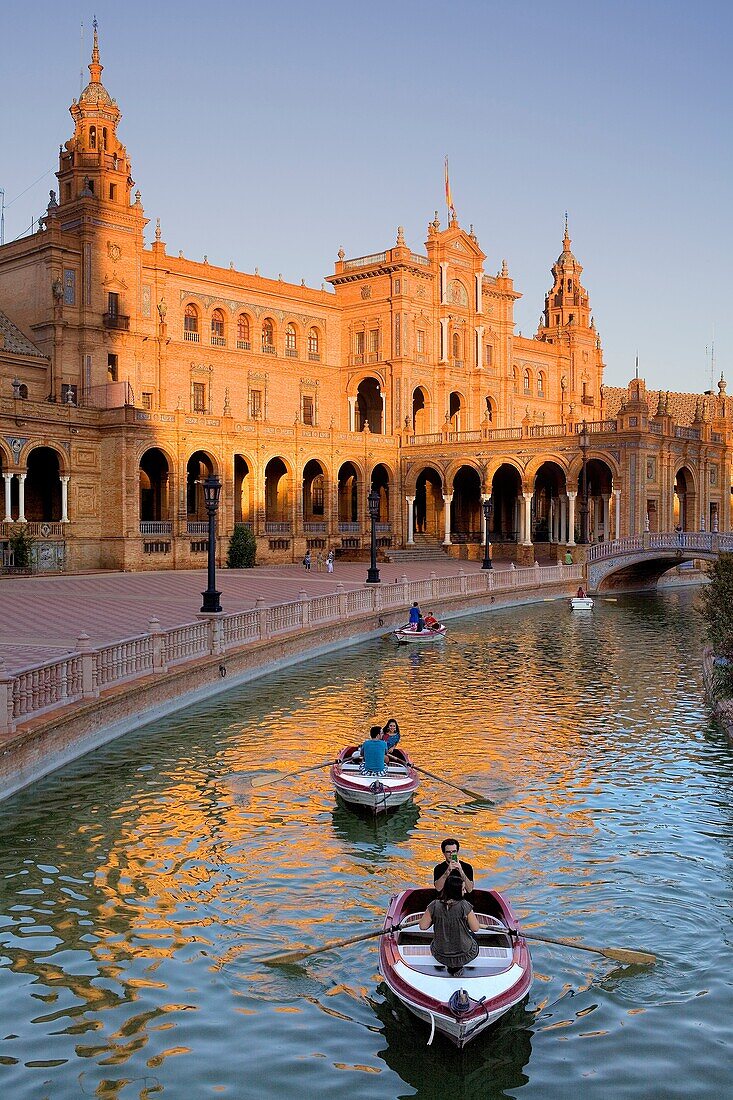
[140, 886]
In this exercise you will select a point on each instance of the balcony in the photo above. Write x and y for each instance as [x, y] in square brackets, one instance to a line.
[291, 353]
[189, 334]
[218, 341]
[197, 527]
[118, 321]
[272, 528]
[268, 349]
[155, 527]
[349, 528]
[314, 356]
[314, 528]
[244, 345]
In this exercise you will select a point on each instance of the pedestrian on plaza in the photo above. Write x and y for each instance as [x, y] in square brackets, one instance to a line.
[307, 561]
[568, 558]
[319, 561]
[329, 561]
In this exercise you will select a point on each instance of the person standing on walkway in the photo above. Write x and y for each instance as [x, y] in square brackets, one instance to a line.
[319, 561]
[329, 561]
[307, 561]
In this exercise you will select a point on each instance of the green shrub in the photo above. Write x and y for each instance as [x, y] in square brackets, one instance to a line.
[242, 550]
[716, 608]
[21, 547]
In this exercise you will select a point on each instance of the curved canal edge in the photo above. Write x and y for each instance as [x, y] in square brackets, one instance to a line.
[48, 742]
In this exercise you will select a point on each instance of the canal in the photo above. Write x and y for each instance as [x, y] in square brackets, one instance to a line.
[139, 886]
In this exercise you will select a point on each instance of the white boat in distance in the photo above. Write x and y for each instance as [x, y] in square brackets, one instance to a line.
[581, 603]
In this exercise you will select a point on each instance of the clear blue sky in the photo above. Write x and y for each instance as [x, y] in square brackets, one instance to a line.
[273, 133]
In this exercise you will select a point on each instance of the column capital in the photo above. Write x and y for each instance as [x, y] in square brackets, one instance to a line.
[617, 492]
[447, 498]
[23, 476]
[571, 496]
[527, 496]
[410, 500]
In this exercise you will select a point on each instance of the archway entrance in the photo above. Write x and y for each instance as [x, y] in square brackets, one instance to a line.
[429, 503]
[198, 468]
[348, 484]
[369, 406]
[506, 494]
[549, 486]
[466, 506]
[43, 486]
[455, 411]
[684, 511]
[277, 494]
[380, 482]
[600, 484]
[241, 490]
[314, 495]
[420, 412]
[154, 474]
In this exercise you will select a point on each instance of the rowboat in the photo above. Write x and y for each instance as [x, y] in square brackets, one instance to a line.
[412, 634]
[378, 793]
[459, 1007]
[581, 603]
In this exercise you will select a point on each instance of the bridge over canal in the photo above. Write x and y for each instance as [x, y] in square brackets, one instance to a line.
[640, 560]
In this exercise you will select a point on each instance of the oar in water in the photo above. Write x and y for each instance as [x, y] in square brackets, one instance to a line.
[277, 777]
[464, 790]
[296, 956]
[618, 954]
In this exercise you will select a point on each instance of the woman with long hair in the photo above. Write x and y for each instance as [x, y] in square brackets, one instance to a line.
[391, 733]
[454, 922]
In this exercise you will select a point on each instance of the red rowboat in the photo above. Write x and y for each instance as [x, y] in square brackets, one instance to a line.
[374, 792]
[460, 1007]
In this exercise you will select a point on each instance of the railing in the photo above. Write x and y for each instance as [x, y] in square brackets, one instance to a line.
[349, 528]
[314, 528]
[418, 259]
[424, 440]
[189, 334]
[116, 321]
[365, 261]
[219, 341]
[155, 527]
[291, 353]
[383, 528]
[687, 433]
[244, 345]
[474, 436]
[504, 433]
[594, 426]
[655, 428]
[197, 527]
[37, 529]
[272, 528]
[546, 431]
[314, 356]
[704, 542]
[268, 349]
[49, 685]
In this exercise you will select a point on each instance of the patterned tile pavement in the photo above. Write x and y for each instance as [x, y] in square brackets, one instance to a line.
[42, 617]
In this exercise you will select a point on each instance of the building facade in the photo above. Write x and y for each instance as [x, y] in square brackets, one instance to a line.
[128, 374]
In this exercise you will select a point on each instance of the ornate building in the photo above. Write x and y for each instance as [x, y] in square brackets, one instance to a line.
[127, 375]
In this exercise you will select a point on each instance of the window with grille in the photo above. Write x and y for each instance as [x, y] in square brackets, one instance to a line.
[420, 341]
[374, 340]
[191, 323]
[308, 409]
[291, 341]
[527, 382]
[359, 343]
[268, 336]
[147, 400]
[313, 344]
[243, 340]
[217, 328]
[199, 396]
[255, 404]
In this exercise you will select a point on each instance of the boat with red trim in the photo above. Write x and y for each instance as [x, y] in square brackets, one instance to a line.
[461, 1007]
[410, 633]
[371, 791]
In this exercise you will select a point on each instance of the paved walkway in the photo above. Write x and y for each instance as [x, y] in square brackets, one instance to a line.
[42, 617]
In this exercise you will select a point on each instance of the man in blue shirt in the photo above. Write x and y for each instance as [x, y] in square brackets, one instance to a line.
[374, 753]
[416, 618]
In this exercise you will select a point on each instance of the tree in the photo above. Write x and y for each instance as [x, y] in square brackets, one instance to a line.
[716, 608]
[21, 548]
[242, 550]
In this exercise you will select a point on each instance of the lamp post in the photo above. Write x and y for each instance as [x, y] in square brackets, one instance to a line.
[584, 445]
[212, 491]
[373, 502]
[488, 507]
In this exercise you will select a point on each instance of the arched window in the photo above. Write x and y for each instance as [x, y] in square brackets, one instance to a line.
[313, 345]
[268, 337]
[456, 347]
[540, 384]
[92, 137]
[291, 342]
[217, 328]
[527, 381]
[191, 323]
[243, 340]
[515, 378]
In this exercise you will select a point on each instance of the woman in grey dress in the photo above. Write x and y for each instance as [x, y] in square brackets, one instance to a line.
[453, 921]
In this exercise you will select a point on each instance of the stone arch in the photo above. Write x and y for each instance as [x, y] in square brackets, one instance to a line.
[466, 504]
[506, 497]
[380, 480]
[600, 474]
[200, 465]
[278, 491]
[43, 485]
[549, 485]
[490, 409]
[456, 410]
[243, 481]
[429, 504]
[421, 409]
[7, 458]
[348, 481]
[49, 444]
[218, 327]
[684, 502]
[244, 331]
[292, 339]
[154, 486]
[369, 405]
[314, 489]
[268, 332]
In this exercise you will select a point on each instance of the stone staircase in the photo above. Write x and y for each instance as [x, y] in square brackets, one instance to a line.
[426, 548]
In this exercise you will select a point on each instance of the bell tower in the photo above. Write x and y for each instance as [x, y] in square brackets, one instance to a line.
[567, 303]
[94, 163]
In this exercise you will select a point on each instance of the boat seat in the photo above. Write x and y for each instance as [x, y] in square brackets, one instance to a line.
[488, 960]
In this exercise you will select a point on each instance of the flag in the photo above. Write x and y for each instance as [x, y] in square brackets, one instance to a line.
[448, 196]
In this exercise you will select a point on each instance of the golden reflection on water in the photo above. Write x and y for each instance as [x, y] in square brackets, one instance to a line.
[153, 876]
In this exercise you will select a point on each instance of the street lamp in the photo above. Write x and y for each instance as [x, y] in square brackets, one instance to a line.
[488, 507]
[373, 502]
[584, 445]
[212, 490]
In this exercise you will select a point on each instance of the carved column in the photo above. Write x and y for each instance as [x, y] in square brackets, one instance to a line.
[606, 498]
[563, 519]
[527, 540]
[21, 498]
[64, 498]
[410, 521]
[443, 339]
[8, 479]
[571, 518]
[617, 524]
[352, 414]
[447, 500]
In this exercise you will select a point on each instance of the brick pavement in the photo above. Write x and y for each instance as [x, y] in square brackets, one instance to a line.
[41, 617]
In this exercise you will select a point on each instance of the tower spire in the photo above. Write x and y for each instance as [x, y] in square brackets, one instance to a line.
[566, 242]
[95, 67]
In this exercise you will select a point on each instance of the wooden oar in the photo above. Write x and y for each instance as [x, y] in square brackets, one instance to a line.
[618, 954]
[295, 956]
[464, 790]
[277, 777]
